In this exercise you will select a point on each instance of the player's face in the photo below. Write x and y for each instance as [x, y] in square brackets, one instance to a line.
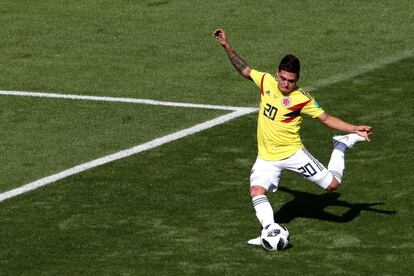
[286, 81]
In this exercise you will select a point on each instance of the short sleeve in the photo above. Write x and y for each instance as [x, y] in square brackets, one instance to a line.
[257, 77]
[312, 108]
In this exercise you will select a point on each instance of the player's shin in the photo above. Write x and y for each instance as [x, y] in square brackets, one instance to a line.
[341, 143]
[264, 210]
[337, 164]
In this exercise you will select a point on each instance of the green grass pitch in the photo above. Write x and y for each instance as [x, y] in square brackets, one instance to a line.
[183, 208]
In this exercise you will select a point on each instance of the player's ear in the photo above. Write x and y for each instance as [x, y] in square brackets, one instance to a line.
[277, 73]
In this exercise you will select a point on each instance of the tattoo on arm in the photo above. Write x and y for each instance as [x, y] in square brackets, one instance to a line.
[237, 62]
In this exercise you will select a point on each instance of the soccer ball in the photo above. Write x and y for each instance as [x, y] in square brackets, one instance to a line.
[275, 237]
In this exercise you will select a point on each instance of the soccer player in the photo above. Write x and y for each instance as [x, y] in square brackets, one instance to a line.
[282, 105]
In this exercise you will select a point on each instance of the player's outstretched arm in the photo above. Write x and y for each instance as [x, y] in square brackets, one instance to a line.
[235, 59]
[338, 124]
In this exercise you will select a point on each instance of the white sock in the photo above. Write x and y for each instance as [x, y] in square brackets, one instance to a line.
[337, 164]
[264, 211]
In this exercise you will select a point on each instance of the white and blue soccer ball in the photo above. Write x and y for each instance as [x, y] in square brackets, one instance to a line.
[275, 237]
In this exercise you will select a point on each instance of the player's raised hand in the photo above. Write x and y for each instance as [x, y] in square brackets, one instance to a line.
[221, 36]
[364, 131]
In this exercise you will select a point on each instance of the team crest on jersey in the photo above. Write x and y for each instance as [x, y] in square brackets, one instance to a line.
[286, 101]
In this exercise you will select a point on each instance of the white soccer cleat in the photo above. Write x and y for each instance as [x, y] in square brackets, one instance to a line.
[349, 140]
[255, 241]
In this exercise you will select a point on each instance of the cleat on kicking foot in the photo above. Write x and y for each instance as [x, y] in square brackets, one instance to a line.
[255, 241]
[349, 140]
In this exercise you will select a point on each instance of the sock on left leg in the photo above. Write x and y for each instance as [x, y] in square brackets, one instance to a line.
[337, 164]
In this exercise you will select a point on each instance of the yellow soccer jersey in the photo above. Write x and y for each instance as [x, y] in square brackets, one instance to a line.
[280, 117]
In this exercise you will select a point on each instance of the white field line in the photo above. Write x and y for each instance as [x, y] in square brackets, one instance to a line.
[118, 100]
[125, 153]
[362, 70]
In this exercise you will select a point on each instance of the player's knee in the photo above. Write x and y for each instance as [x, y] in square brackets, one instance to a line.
[257, 191]
[333, 186]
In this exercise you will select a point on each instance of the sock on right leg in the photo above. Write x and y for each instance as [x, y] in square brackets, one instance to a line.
[264, 211]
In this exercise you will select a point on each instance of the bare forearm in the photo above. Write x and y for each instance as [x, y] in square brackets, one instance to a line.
[340, 125]
[241, 66]
[336, 123]
[235, 59]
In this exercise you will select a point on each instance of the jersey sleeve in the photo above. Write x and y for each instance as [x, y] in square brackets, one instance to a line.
[257, 77]
[312, 108]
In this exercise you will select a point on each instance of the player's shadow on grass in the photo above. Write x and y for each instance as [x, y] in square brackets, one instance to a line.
[307, 205]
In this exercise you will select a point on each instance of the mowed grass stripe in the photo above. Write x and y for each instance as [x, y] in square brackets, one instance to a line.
[42, 136]
[124, 153]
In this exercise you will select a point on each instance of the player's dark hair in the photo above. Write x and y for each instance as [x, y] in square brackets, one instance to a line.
[290, 63]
